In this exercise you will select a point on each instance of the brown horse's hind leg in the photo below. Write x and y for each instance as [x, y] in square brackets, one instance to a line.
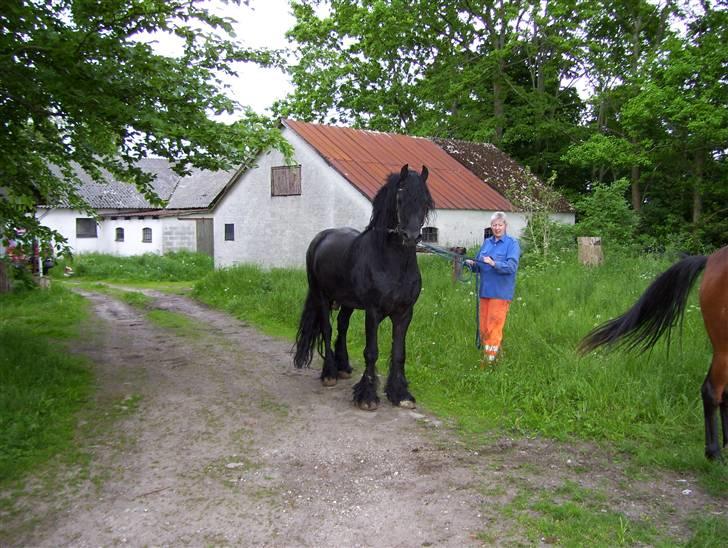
[724, 417]
[710, 406]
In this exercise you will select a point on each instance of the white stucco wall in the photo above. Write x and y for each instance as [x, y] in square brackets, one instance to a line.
[465, 228]
[274, 231]
[456, 227]
[64, 221]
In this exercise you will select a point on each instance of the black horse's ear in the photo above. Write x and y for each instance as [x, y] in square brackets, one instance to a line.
[424, 173]
[405, 171]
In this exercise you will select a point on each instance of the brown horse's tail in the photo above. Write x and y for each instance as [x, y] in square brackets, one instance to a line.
[655, 313]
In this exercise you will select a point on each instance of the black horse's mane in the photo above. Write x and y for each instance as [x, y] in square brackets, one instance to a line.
[384, 206]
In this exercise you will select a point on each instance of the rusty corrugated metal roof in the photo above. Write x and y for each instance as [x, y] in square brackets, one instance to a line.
[365, 158]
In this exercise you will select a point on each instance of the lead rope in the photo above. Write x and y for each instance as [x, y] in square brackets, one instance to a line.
[451, 256]
[478, 342]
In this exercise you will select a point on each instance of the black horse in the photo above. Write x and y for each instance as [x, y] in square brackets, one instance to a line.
[375, 270]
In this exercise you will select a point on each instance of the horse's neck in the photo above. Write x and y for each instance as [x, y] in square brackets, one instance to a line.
[397, 255]
[387, 249]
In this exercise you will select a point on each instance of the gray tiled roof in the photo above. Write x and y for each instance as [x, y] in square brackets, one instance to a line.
[114, 194]
[199, 189]
[195, 191]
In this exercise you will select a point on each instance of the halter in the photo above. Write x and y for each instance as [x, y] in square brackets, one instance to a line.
[398, 229]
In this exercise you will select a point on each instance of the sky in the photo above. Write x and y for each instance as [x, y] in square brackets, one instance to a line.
[262, 23]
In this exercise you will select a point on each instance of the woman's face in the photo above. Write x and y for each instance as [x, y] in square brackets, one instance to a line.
[499, 227]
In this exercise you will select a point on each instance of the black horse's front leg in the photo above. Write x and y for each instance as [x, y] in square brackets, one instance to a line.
[710, 406]
[341, 354]
[396, 388]
[365, 391]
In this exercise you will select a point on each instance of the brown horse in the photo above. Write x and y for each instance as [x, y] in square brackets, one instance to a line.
[656, 312]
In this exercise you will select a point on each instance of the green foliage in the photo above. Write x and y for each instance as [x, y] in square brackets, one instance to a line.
[178, 266]
[42, 387]
[543, 237]
[607, 214]
[83, 87]
[653, 108]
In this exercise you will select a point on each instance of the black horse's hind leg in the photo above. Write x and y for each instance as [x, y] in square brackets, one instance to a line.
[710, 406]
[341, 354]
[328, 371]
[365, 391]
[396, 388]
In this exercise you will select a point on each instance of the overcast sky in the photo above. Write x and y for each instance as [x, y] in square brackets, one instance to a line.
[262, 23]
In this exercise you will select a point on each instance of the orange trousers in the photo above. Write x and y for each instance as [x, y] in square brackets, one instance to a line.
[492, 317]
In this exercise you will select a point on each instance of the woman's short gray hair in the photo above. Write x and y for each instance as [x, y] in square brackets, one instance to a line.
[499, 215]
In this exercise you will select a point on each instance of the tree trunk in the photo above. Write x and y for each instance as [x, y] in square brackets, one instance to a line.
[697, 196]
[4, 278]
[636, 194]
[498, 111]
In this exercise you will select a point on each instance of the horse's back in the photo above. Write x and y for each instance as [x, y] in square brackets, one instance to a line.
[714, 299]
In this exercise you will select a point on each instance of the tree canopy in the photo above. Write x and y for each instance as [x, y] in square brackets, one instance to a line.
[593, 91]
[82, 86]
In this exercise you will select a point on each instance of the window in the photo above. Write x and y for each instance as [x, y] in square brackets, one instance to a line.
[285, 181]
[85, 228]
[146, 235]
[429, 234]
[229, 232]
[119, 234]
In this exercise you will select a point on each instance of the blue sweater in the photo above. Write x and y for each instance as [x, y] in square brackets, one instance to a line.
[499, 281]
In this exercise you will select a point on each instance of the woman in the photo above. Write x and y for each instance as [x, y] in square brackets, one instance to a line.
[497, 263]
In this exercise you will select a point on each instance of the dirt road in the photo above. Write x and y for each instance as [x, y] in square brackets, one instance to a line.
[218, 441]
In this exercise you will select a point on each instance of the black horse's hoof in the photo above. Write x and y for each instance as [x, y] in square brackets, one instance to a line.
[368, 405]
[714, 456]
[329, 381]
[344, 374]
[407, 404]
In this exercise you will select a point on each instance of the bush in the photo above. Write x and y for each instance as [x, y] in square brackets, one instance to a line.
[606, 213]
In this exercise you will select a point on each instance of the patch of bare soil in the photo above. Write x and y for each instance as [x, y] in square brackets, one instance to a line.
[226, 444]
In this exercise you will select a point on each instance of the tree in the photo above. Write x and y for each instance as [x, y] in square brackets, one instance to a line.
[622, 38]
[81, 86]
[479, 70]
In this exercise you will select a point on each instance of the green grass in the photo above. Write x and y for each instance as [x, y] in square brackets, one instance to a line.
[42, 387]
[571, 515]
[172, 267]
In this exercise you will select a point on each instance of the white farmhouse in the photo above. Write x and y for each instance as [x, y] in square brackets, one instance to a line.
[268, 213]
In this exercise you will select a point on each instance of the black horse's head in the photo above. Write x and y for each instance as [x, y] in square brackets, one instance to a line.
[402, 205]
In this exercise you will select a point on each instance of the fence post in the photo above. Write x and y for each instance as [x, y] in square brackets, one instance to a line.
[590, 250]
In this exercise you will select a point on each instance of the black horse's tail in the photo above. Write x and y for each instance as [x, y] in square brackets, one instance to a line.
[309, 335]
[656, 311]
